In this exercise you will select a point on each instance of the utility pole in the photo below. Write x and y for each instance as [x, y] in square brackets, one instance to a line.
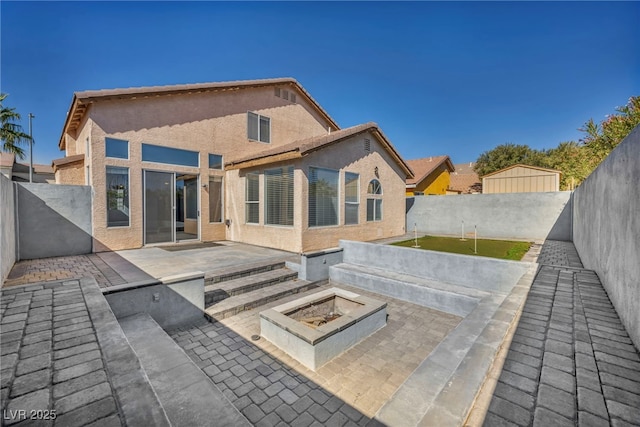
[31, 116]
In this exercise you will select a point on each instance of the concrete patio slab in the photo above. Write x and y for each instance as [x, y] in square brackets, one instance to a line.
[159, 263]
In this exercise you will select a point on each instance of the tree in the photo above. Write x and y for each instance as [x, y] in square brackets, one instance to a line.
[601, 139]
[506, 155]
[11, 133]
[573, 160]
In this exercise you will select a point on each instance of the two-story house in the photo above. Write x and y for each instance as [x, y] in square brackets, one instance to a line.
[255, 161]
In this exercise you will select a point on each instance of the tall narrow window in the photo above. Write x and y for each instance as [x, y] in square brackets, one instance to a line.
[191, 198]
[117, 197]
[323, 197]
[351, 198]
[215, 199]
[252, 198]
[258, 127]
[278, 198]
[374, 201]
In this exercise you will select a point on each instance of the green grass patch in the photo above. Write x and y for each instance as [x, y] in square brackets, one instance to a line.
[502, 249]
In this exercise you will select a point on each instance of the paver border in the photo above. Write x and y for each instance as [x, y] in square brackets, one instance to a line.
[137, 400]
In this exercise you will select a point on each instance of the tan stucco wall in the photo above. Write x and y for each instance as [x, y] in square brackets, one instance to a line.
[213, 122]
[70, 174]
[346, 156]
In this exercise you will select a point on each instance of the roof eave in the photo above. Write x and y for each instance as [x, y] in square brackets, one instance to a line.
[261, 161]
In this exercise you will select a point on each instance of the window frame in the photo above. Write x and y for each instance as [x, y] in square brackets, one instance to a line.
[164, 147]
[127, 193]
[351, 203]
[248, 202]
[375, 198]
[116, 140]
[259, 118]
[337, 198]
[221, 161]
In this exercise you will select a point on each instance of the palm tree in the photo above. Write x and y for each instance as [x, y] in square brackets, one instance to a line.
[11, 133]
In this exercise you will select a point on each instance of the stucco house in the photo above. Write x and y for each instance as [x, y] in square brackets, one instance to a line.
[432, 176]
[256, 161]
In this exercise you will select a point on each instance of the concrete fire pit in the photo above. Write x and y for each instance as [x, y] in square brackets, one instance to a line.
[318, 327]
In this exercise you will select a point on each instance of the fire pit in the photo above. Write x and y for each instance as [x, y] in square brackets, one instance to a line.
[316, 328]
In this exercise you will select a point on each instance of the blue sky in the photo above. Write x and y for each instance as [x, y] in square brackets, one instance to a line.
[454, 78]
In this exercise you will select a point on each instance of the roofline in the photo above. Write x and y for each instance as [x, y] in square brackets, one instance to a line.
[446, 159]
[90, 96]
[298, 151]
[56, 163]
[522, 165]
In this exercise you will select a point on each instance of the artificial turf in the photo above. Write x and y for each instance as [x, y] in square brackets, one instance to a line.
[503, 249]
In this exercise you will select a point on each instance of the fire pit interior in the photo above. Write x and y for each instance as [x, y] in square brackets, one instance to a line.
[324, 311]
[316, 328]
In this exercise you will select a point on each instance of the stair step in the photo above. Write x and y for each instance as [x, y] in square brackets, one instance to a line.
[229, 288]
[188, 396]
[242, 270]
[250, 300]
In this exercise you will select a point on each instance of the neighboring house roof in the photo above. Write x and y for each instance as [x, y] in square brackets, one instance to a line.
[81, 100]
[41, 173]
[520, 165]
[304, 147]
[424, 167]
[465, 180]
[20, 171]
[66, 160]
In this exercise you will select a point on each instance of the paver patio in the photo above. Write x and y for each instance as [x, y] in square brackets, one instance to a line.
[570, 361]
[364, 377]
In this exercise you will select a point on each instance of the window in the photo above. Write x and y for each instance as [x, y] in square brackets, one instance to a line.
[258, 127]
[215, 199]
[215, 161]
[323, 197]
[252, 198]
[278, 198]
[351, 198]
[374, 201]
[168, 155]
[191, 198]
[117, 197]
[116, 148]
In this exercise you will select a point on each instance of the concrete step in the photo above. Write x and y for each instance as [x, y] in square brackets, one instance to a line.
[229, 288]
[187, 395]
[250, 300]
[454, 299]
[242, 270]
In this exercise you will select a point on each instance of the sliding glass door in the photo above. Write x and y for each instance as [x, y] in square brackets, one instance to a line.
[170, 207]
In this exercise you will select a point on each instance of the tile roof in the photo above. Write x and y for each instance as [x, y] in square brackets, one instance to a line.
[56, 163]
[423, 167]
[303, 147]
[465, 179]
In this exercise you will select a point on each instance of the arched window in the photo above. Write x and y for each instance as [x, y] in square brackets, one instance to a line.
[374, 201]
